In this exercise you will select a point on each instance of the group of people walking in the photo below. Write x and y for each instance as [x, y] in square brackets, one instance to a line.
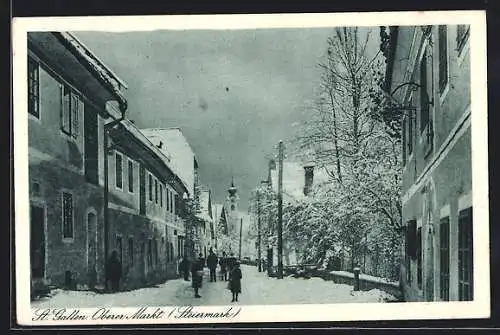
[229, 269]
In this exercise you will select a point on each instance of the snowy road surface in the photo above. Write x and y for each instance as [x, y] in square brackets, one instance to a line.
[257, 289]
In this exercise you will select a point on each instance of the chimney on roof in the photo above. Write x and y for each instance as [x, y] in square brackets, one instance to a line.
[272, 164]
[309, 178]
[160, 145]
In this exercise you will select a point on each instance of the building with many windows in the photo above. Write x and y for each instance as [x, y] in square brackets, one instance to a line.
[181, 158]
[145, 222]
[428, 78]
[71, 95]
[97, 183]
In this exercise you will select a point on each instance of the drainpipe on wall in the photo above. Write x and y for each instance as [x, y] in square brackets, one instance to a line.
[108, 126]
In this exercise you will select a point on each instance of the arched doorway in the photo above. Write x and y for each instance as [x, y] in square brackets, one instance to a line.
[92, 248]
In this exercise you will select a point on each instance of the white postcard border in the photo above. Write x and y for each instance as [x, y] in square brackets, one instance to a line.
[479, 308]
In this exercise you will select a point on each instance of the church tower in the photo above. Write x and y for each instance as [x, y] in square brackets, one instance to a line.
[232, 207]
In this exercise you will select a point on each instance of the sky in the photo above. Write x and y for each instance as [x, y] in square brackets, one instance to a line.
[234, 93]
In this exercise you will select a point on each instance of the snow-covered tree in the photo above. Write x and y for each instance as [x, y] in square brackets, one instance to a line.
[359, 152]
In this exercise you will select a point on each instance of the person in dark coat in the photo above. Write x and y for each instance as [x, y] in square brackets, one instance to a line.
[184, 268]
[212, 265]
[230, 263]
[197, 275]
[114, 271]
[235, 280]
[223, 266]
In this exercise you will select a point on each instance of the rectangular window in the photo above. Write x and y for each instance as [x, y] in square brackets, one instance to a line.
[172, 202]
[419, 257]
[150, 185]
[168, 200]
[130, 251]
[118, 171]
[176, 204]
[33, 88]
[70, 110]
[412, 239]
[444, 259]
[424, 97]
[465, 256]
[443, 57]
[131, 176]
[462, 35]
[67, 211]
[161, 195]
[156, 190]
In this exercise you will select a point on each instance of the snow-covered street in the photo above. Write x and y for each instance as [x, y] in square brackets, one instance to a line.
[257, 289]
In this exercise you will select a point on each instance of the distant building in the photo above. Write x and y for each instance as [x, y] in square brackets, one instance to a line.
[206, 226]
[428, 75]
[144, 215]
[182, 159]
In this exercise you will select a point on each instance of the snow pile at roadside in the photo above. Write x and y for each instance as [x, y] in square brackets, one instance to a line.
[310, 291]
[365, 277]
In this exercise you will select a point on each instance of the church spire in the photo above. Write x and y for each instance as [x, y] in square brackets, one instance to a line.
[232, 189]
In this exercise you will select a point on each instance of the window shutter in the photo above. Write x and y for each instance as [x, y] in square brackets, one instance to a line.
[77, 105]
[61, 105]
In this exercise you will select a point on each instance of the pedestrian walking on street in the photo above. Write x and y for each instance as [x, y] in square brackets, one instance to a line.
[223, 266]
[197, 275]
[212, 265]
[184, 268]
[235, 280]
[114, 271]
[231, 262]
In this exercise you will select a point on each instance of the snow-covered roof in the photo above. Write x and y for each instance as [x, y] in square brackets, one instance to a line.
[100, 70]
[204, 206]
[294, 179]
[176, 147]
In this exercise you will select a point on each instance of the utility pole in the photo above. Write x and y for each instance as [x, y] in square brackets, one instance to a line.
[259, 252]
[280, 212]
[241, 230]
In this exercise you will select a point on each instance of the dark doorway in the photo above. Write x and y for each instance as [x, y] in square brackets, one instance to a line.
[37, 241]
